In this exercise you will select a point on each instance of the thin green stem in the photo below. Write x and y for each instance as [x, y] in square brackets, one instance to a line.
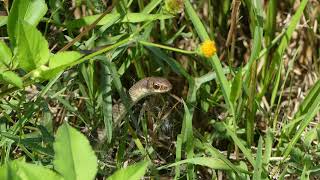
[167, 47]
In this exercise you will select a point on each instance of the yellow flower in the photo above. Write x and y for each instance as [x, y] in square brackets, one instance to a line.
[208, 48]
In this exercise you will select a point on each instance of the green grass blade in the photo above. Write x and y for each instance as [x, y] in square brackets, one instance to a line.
[117, 83]
[276, 62]
[105, 86]
[175, 66]
[309, 99]
[214, 163]
[304, 107]
[258, 164]
[312, 111]
[178, 156]
[270, 25]
[216, 153]
[202, 33]
[251, 74]
[215, 62]
[187, 138]
[268, 148]
[151, 6]
[246, 152]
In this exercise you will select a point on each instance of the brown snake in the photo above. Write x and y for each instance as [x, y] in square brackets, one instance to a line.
[144, 87]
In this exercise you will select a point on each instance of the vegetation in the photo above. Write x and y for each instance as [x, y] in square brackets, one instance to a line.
[244, 104]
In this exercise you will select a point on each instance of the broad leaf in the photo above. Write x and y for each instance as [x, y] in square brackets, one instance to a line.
[4, 171]
[18, 170]
[63, 58]
[11, 78]
[5, 55]
[59, 62]
[32, 49]
[135, 171]
[30, 11]
[74, 158]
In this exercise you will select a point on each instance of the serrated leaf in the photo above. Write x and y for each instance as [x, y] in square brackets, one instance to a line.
[30, 11]
[11, 78]
[5, 55]
[74, 158]
[135, 171]
[33, 50]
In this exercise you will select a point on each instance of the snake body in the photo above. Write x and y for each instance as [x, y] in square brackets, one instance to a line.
[144, 87]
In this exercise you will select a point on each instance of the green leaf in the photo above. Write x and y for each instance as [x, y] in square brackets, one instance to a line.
[276, 64]
[4, 172]
[151, 6]
[11, 78]
[310, 137]
[187, 137]
[310, 114]
[59, 62]
[74, 158]
[135, 171]
[187, 133]
[214, 60]
[30, 11]
[63, 58]
[3, 20]
[258, 164]
[18, 170]
[46, 73]
[106, 101]
[214, 163]
[32, 49]
[178, 155]
[246, 151]
[236, 88]
[174, 65]
[191, 13]
[5, 54]
[309, 99]
[130, 17]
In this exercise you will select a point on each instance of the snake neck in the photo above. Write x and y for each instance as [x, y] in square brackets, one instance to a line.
[141, 89]
[119, 110]
[136, 95]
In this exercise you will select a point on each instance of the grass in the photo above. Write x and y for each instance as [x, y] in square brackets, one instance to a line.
[251, 110]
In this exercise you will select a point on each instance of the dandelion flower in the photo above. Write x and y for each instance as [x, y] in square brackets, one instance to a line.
[208, 48]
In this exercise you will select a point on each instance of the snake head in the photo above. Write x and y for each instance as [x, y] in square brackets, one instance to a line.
[149, 86]
[158, 85]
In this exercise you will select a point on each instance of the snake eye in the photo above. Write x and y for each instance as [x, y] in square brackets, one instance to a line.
[156, 86]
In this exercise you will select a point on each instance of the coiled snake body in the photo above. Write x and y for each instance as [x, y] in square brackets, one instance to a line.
[144, 87]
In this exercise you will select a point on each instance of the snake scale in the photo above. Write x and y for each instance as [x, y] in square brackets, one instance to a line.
[144, 87]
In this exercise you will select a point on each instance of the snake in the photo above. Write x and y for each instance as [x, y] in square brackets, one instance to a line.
[141, 89]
